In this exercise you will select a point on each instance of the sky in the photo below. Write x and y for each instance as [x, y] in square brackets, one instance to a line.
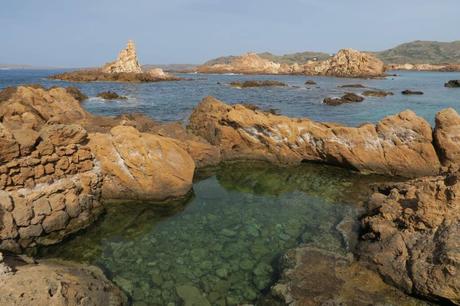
[86, 33]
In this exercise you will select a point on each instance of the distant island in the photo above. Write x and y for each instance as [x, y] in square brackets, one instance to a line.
[416, 55]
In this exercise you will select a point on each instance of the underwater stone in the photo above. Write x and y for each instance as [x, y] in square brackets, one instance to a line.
[191, 296]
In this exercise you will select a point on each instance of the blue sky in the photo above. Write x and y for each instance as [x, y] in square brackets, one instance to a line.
[78, 33]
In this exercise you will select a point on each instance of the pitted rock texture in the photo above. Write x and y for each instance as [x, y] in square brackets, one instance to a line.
[397, 145]
[142, 166]
[57, 283]
[126, 62]
[411, 236]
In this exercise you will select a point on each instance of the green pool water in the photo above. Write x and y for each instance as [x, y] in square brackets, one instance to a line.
[221, 246]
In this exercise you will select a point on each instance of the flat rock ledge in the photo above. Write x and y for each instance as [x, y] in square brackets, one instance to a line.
[56, 283]
[399, 145]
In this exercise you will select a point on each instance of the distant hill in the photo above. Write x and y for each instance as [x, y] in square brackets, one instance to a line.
[300, 58]
[422, 52]
[416, 52]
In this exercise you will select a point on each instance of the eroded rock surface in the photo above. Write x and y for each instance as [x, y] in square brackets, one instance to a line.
[412, 236]
[397, 145]
[347, 63]
[57, 283]
[126, 62]
[447, 137]
[141, 166]
[312, 276]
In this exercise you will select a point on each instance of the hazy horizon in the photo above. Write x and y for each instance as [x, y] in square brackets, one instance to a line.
[90, 33]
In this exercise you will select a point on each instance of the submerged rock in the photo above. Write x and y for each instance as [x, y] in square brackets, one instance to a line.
[397, 145]
[352, 86]
[377, 93]
[265, 83]
[411, 92]
[347, 98]
[312, 276]
[310, 82]
[411, 236]
[191, 296]
[58, 283]
[452, 84]
[110, 95]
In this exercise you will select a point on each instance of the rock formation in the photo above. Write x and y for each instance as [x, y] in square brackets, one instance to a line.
[348, 97]
[57, 283]
[346, 63]
[141, 165]
[126, 62]
[125, 69]
[452, 84]
[397, 145]
[412, 236]
[424, 67]
[447, 137]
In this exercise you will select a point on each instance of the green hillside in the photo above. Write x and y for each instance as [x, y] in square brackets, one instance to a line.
[422, 52]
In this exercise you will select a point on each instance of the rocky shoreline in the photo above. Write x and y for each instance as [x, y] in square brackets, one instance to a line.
[58, 164]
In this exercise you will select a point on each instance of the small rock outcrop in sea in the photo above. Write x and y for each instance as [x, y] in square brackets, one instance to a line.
[377, 93]
[397, 145]
[255, 83]
[126, 62]
[346, 63]
[452, 84]
[425, 67]
[351, 86]
[411, 236]
[125, 69]
[110, 95]
[349, 97]
[57, 283]
[411, 92]
[310, 82]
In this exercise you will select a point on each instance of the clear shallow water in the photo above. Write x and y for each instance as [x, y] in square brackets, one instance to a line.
[172, 101]
[225, 240]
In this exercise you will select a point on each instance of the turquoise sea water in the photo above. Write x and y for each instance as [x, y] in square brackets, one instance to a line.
[171, 101]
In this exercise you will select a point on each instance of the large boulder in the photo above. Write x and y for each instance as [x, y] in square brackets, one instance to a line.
[447, 137]
[57, 283]
[397, 145]
[126, 62]
[347, 63]
[141, 165]
[411, 236]
[32, 107]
